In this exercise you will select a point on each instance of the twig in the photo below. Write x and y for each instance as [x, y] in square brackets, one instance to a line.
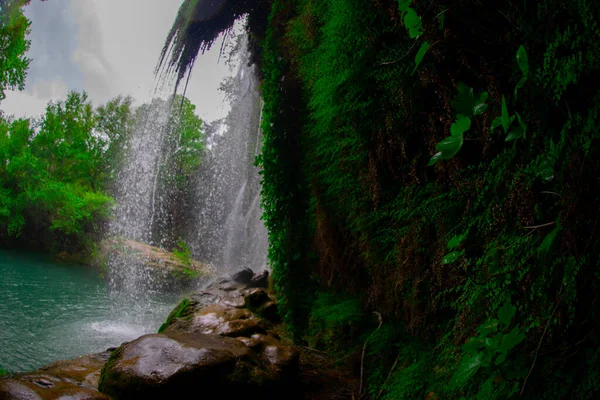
[362, 358]
[388, 377]
[337, 361]
[401, 58]
[311, 349]
[554, 193]
[440, 14]
[539, 226]
[537, 351]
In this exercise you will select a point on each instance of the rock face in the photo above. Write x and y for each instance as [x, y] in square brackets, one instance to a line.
[64, 380]
[217, 342]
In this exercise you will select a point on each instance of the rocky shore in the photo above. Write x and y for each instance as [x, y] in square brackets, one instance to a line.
[222, 340]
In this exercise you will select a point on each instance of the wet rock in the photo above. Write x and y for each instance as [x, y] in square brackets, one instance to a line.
[65, 380]
[255, 298]
[169, 366]
[213, 295]
[221, 320]
[270, 311]
[284, 361]
[259, 280]
[84, 371]
[31, 387]
[244, 276]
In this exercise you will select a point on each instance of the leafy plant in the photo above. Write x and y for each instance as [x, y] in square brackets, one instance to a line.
[14, 27]
[467, 106]
[488, 351]
[523, 62]
[183, 252]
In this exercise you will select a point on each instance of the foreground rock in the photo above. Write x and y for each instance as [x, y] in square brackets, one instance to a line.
[219, 340]
[65, 380]
[169, 366]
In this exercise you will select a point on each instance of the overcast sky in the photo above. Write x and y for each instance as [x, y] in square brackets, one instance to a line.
[107, 48]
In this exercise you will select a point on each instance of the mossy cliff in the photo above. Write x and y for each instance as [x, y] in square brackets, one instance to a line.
[436, 163]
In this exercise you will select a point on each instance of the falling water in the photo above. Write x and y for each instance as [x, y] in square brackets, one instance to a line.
[222, 222]
[136, 196]
[136, 189]
[227, 230]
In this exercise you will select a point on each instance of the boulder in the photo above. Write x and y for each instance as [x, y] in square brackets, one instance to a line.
[171, 365]
[255, 298]
[259, 280]
[261, 303]
[244, 276]
[84, 371]
[64, 380]
[283, 361]
[221, 320]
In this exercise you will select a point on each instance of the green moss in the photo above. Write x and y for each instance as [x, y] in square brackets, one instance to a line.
[351, 204]
[178, 312]
[114, 355]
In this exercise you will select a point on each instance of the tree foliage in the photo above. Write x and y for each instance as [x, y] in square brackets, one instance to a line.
[14, 27]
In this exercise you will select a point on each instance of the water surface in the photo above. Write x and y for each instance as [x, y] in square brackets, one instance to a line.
[51, 311]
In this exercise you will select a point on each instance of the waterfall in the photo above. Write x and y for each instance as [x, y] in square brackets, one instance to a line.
[220, 215]
[227, 230]
[137, 180]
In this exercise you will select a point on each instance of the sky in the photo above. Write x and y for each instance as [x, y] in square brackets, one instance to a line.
[107, 48]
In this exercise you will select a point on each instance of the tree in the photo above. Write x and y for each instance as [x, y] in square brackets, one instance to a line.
[14, 27]
[115, 122]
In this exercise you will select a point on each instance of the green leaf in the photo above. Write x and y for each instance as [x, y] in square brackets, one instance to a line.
[468, 367]
[480, 105]
[496, 123]
[520, 84]
[420, 54]
[506, 313]
[518, 132]
[510, 340]
[515, 134]
[522, 125]
[450, 146]
[489, 326]
[487, 389]
[549, 239]
[523, 61]
[474, 344]
[457, 240]
[403, 5]
[452, 257]
[412, 22]
[505, 120]
[501, 358]
[461, 125]
[466, 104]
[545, 171]
[436, 157]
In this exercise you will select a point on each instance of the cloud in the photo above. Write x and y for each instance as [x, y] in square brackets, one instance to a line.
[53, 41]
[50, 89]
[89, 55]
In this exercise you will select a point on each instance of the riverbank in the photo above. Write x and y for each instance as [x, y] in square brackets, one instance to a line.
[227, 337]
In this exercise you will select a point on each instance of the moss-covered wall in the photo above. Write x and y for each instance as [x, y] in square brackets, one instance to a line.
[495, 244]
